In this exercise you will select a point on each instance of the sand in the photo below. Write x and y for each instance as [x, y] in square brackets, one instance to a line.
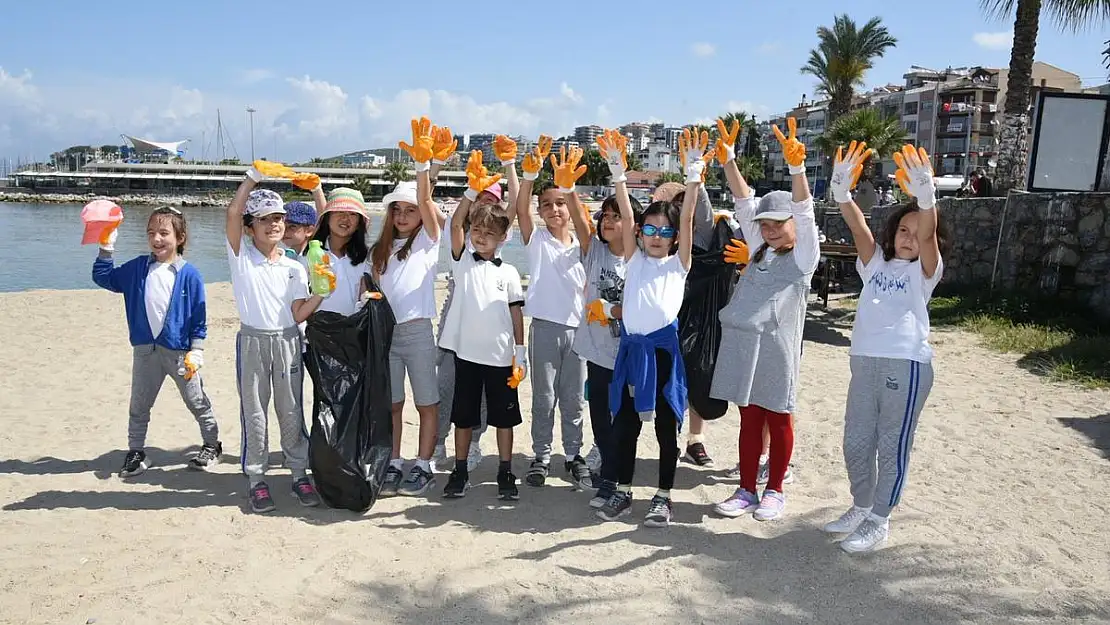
[1004, 518]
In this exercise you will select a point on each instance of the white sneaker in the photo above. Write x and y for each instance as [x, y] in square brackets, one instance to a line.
[474, 458]
[870, 535]
[765, 475]
[439, 458]
[848, 522]
[740, 503]
[593, 460]
[771, 506]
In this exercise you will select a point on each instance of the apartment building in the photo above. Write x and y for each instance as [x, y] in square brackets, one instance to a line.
[659, 157]
[639, 135]
[587, 135]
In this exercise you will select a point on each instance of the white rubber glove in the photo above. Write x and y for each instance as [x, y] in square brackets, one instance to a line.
[256, 175]
[471, 194]
[694, 167]
[421, 167]
[110, 245]
[193, 361]
[615, 160]
[521, 359]
[922, 185]
[841, 182]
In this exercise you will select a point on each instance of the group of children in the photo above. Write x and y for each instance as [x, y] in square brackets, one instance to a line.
[604, 298]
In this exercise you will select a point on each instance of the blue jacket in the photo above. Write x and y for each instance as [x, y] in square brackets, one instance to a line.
[635, 367]
[186, 324]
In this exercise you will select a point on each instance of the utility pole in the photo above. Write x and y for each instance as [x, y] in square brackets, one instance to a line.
[251, 112]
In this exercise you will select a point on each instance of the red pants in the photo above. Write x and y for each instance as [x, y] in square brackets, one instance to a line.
[752, 420]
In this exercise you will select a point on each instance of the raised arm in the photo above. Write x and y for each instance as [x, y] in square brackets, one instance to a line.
[237, 207]
[567, 172]
[794, 152]
[532, 164]
[458, 227]
[846, 172]
[915, 175]
[726, 155]
[443, 148]
[504, 149]
[692, 149]
[422, 152]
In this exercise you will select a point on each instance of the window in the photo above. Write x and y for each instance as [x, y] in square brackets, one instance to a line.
[925, 125]
[989, 96]
[910, 108]
[910, 126]
[927, 106]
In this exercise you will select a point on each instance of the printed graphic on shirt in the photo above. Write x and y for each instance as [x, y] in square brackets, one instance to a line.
[892, 383]
[610, 285]
[884, 283]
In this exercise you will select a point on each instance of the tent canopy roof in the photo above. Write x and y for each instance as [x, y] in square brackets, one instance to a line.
[142, 145]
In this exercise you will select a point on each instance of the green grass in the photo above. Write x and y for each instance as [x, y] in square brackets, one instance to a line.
[1055, 338]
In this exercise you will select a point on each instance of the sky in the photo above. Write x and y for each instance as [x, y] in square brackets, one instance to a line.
[326, 81]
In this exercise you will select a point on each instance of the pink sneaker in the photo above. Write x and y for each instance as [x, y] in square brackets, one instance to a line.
[771, 506]
[740, 503]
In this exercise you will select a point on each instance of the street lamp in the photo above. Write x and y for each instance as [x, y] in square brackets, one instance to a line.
[251, 111]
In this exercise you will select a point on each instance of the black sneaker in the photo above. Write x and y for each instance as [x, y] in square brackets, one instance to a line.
[207, 457]
[457, 485]
[579, 473]
[537, 473]
[506, 486]
[261, 501]
[306, 492]
[391, 482]
[696, 453]
[134, 464]
[619, 504]
[659, 512]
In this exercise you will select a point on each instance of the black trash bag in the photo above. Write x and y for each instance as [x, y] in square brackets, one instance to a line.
[352, 429]
[709, 287]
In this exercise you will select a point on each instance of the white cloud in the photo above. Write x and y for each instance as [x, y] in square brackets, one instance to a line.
[256, 75]
[994, 41]
[304, 116]
[703, 49]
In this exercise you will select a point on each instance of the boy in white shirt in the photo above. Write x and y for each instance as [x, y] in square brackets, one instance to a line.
[271, 293]
[485, 330]
[555, 301]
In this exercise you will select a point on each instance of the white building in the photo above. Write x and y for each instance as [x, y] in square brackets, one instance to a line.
[659, 157]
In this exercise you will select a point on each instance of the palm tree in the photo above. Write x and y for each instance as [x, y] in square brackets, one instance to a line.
[843, 56]
[884, 135]
[363, 185]
[396, 172]
[670, 176]
[751, 167]
[634, 162]
[1013, 132]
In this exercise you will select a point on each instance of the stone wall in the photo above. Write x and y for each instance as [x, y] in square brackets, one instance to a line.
[1054, 243]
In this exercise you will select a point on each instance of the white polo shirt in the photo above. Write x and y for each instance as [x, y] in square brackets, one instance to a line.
[479, 326]
[409, 284]
[265, 290]
[653, 292]
[558, 279]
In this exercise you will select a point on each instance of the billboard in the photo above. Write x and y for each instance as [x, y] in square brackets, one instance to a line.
[1069, 142]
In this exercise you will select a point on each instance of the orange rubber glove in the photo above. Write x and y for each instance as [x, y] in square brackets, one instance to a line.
[567, 169]
[422, 144]
[306, 181]
[444, 146]
[736, 252]
[478, 177]
[793, 151]
[504, 149]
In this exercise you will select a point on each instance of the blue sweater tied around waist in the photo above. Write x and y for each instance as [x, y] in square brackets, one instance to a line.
[636, 367]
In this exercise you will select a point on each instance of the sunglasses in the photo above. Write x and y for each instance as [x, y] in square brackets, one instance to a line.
[648, 230]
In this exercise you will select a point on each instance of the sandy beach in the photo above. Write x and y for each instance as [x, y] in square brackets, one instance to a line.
[1004, 518]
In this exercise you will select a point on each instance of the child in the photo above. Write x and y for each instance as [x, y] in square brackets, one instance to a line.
[761, 327]
[555, 303]
[484, 324]
[891, 359]
[597, 340]
[404, 263]
[505, 149]
[341, 230]
[300, 225]
[164, 299]
[648, 372]
[271, 294]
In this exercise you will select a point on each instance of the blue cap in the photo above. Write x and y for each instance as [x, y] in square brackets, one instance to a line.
[300, 213]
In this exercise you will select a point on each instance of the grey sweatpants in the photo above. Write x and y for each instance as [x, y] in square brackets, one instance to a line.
[269, 363]
[885, 398]
[150, 364]
[445, 374]
[558, 375]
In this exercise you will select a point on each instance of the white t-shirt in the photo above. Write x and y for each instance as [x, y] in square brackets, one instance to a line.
[653, 292]
[892, 319]
[160, 278]
[409, 284]
[479, 326]
[557, 279]
[265, 290]
[344, 299]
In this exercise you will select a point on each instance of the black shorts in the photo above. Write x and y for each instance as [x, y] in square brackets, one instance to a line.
[502, 405]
